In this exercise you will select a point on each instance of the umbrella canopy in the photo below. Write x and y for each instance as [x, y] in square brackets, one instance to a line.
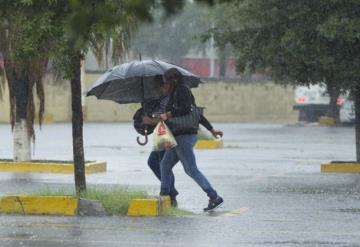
[137, 81]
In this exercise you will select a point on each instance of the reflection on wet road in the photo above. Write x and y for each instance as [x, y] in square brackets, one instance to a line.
[269, 176]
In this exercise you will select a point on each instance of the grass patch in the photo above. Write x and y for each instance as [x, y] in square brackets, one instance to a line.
[115, 200]
[175, 212]
[57, 192]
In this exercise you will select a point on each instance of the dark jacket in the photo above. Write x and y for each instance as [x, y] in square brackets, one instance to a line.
[180, 103]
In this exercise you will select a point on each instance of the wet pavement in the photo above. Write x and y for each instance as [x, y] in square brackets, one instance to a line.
[269, 176]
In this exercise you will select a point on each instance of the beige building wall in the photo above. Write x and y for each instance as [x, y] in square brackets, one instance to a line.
[4, 104]
[224, 102]
[246, 102]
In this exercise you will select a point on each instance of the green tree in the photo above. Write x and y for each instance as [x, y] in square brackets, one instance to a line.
[224, 19]
[32, 32]
[25, 39]
[302, 42]
[85, 21]
[171, 38]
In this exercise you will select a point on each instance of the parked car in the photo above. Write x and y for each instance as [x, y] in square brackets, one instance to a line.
[312, 102]
[347, 112]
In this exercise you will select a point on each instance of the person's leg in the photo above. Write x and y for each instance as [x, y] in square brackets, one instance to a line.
[185, 152]
[186, 155]
[168, 161]
[154, 160]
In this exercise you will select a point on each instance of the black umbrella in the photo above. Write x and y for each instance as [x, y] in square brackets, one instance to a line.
[136, 82]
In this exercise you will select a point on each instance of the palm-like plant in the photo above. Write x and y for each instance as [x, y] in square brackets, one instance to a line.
[25, 38]
[113, 45]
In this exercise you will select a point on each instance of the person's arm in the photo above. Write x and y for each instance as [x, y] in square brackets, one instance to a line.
[204, 122]
[215, 132]
[150, 121]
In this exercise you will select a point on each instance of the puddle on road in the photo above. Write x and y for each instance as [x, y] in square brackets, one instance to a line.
[313, 190]
[348, 210]
[105, 146]
[227, 213]
[301, 243]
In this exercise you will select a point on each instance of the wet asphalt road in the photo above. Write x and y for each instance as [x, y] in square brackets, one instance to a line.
[269, 176]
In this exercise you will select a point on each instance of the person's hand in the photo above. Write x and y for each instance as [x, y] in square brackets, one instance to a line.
[165, 116]
[217, 133]
[147, 120]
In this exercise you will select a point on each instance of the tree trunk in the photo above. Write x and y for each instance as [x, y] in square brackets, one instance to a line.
[77, 126]
[334, 109]
[357, 122]
[222, 61]
[22, 143]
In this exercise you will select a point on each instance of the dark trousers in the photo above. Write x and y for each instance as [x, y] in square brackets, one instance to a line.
[154, 161]
[185, 153]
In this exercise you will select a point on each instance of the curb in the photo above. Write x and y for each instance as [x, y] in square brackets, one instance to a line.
[327, 121]
[341, 167]
[39, 205]
[72, 206]
[209, 144]
[50, 205]
[50, 167]
[149, 207]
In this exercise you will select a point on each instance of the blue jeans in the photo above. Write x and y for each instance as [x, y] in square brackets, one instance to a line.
[185, 153]
[154, 160]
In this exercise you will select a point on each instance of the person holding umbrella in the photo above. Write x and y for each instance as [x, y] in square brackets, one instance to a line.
[156, 157]
[134, 82]
[180, 104]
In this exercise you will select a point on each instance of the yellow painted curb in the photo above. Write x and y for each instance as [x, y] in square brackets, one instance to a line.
[149, 206]
[328, 121]
[32, 204]
[50, 167]
[209, 144]
[144, 207]
[95, 167]
[341, 167]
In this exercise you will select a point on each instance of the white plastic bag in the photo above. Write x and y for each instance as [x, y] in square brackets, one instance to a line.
[163, 138]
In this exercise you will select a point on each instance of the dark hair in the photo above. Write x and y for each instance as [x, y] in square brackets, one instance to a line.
[172, 75]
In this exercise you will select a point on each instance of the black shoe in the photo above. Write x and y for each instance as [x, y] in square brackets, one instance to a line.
[214, 203]
[173, 201]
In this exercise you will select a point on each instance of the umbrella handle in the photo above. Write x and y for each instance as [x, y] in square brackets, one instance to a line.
[146, 139]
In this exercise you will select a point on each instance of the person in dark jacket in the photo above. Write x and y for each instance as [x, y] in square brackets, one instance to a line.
[155, 157]
[180, 103]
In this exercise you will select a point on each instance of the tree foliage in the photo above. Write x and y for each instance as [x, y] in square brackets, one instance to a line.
[172, 37]
[27, 31]
[299, 42]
